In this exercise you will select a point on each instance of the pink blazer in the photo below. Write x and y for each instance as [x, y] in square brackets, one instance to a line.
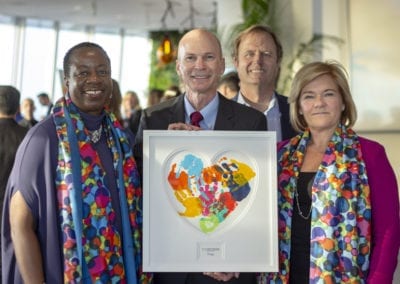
[385, 212]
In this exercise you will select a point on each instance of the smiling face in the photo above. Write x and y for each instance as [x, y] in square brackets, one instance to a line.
[257, 60]
[321, 104]
[200, 63]
[89, 80]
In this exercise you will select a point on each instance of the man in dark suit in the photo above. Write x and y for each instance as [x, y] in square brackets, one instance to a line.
[27, 110]
[200, 65]
[11, 135]
[257, 55]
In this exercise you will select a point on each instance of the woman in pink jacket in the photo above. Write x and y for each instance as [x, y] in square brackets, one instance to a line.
[338, 196]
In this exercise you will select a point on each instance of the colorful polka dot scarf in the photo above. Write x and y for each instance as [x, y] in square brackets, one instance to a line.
[340, 241]
[93, 250]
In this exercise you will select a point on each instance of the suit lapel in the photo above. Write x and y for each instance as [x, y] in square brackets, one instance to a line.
[177, 110]
[225, 115]
[286, 127]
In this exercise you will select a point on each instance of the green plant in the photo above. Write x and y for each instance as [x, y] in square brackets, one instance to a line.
[304, 53]
[264, 12]
[254, 12]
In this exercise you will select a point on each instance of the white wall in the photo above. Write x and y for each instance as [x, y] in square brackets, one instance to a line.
[229, 14]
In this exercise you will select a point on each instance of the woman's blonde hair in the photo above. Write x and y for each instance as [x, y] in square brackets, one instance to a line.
[308, 73]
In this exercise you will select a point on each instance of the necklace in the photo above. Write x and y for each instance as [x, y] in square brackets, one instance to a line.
[306, 181]
[95, 135]
[296, 194]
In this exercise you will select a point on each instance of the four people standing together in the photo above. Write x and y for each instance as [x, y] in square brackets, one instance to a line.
[73, 212]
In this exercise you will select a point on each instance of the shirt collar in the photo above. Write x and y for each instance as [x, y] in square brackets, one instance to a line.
[271, 105]
[209, 113]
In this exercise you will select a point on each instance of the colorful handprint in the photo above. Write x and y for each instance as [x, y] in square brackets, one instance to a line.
[210, 193]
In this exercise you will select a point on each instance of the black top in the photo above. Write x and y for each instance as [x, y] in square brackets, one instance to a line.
[301, 230]
[11, 135]
[133, 121]
[28, 123]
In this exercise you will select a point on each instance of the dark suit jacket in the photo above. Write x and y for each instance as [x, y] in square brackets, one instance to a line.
[133, 121]
[231, 116]
[28, 123]
[286, 126]
[11, 135]
[50, 108]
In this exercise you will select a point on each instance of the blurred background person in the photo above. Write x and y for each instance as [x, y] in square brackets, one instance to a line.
[130, 104]
[229, 85]
[27, 109]
[45, 101]
[114, 104]
[155, 96]
[131, 111]
[11, 135]
[172, 92]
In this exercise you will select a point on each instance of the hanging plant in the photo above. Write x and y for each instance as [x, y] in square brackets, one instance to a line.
[261, 12]
[162, 69]
[166, 51]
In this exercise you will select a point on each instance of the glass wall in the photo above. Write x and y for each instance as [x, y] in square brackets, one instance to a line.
[8, 33]
[32, 61]
[37, 61]
[136, 62]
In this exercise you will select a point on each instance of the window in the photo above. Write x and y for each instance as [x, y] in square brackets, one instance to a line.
[32, 61]
[37, 62]
[112, 45]
[136, 66]
[7, 31]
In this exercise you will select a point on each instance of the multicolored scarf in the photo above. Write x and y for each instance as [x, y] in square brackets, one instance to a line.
[341, 211]
[93, 250]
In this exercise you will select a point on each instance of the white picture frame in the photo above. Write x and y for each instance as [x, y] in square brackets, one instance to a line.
[194, 223]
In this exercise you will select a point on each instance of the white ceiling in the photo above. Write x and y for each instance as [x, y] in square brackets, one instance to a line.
[135, 16]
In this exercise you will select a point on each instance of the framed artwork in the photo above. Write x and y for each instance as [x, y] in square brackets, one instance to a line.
[209, 201]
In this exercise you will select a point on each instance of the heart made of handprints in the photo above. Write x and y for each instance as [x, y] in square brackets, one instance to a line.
[209, 194]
